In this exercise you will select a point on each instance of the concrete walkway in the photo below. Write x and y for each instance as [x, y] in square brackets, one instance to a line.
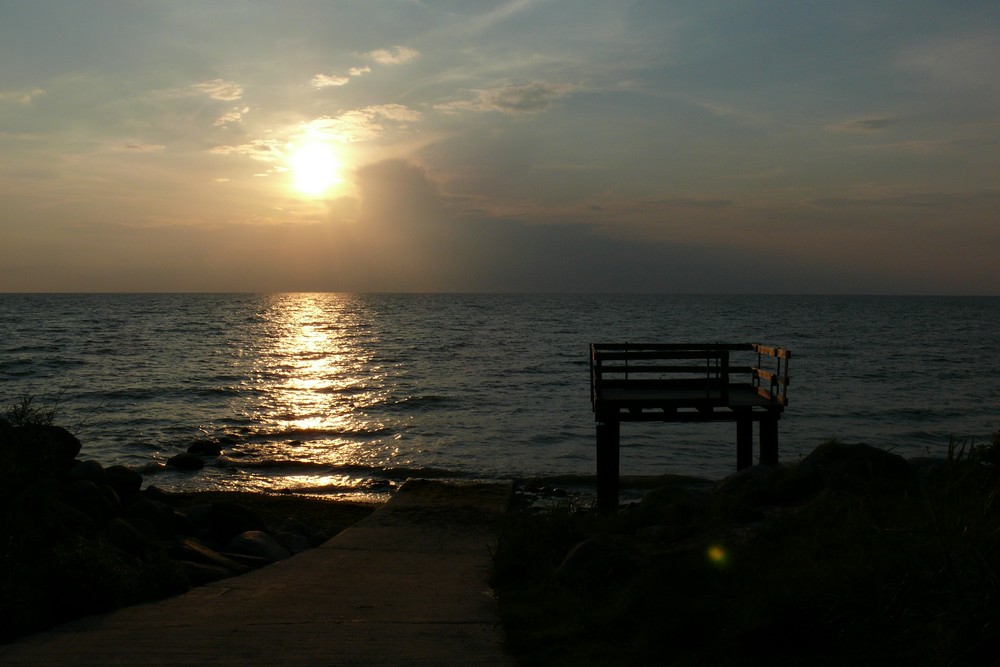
[405, 586]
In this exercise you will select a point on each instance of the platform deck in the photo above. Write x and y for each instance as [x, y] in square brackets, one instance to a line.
[686, 382]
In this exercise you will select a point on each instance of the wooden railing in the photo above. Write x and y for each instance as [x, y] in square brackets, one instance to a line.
[683, 374]
[771, 384]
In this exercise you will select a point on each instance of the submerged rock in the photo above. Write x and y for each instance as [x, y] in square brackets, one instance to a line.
[185, 461]
[205, 448]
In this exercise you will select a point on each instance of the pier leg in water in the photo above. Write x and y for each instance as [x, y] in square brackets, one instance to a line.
[744, 443]
[608, 439]
[769, 441]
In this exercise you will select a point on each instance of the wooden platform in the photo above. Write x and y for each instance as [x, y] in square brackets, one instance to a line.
[738, 382]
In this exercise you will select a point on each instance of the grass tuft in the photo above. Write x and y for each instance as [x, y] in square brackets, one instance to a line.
[847, 574]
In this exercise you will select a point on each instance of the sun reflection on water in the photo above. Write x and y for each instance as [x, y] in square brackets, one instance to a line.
[314, 381]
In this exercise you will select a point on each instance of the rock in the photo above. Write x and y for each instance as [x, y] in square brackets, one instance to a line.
[199, 574]
[294, 543]
[153, 492]
[89, 470]
[72, 517]
[589, 562]
[125, 536]
[186, 461]
[295, 535]
[156, 514]
[205, 448]
[45, 447]
[190, 549]
[228, 520]
[854, 467]
[741, 494]
[257, 544]
[671, 505]
[199, 516]
[125, 481]
[91, 499]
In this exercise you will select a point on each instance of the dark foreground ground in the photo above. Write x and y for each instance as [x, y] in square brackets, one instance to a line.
[853, 556]
[406, 585]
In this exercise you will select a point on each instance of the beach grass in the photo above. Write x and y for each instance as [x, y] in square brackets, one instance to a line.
[872, 573]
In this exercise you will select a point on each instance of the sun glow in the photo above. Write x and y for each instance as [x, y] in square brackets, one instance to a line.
[315, 168]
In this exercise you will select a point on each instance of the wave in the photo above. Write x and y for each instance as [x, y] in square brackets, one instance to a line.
[416, 403]
[306, 434]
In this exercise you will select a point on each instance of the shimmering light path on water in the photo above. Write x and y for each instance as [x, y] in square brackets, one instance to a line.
[352, 392]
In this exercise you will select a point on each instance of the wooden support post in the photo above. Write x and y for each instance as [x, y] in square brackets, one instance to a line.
[769, 440]
[744, 442]
[608, 439]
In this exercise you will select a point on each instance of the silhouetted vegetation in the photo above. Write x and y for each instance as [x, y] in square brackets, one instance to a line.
[27, 412]
[854, 556]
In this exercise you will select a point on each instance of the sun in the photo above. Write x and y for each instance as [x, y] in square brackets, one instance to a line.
[315, 168]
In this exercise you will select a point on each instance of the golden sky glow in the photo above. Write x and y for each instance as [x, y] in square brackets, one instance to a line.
[496, 145]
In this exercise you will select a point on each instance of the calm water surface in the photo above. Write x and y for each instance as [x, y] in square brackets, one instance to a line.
[344, 393]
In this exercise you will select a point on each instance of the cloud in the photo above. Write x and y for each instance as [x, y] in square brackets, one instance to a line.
[694, 202]
[22, 97]
[333, 80]
[915, 147]
[513, 99]
[234, 116]
[915, 200]
[361, 124]
[329, 80]
[393, 56]
[220, 89]
[863, 124]
[263, 150]
[956, 62]
[135, 147]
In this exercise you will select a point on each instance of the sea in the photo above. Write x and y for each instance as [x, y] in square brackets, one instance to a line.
[347, 395]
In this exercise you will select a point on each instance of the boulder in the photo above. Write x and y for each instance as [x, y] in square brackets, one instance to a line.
[125, 536]
[205, 448]
[95, 501]
[257, 544]
[192, 550]
[156, 514]
[48, 448]
[89, 470]
[741, 495]
[199, 574]
[297, 536]
[185, 461]
[125, 481]
[6, 431]
[854, 467]
[228, 520]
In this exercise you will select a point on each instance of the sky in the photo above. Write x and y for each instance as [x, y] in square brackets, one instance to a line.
[686, 146]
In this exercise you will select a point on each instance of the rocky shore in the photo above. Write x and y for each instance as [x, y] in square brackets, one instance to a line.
[77, 537]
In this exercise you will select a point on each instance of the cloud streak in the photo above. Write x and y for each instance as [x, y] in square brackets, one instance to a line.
[220, 89]
[529, 98]
[24, 98]
[863, 124]
[396, 55]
